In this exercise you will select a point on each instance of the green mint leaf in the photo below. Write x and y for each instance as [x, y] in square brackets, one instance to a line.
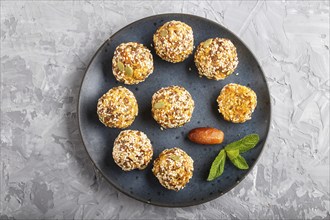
[244, 144]
[218, 166]
[249, 142]
[240, 163]
[232, 154]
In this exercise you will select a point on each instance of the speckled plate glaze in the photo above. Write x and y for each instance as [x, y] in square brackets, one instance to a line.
[143, 185]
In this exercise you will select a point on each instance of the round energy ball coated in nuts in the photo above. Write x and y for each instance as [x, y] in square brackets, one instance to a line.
[132, 149]
[132, 63]
[236, 102]
[117, 108]
[174, 41]
[216, 58]
[173, 168]
[172, 106]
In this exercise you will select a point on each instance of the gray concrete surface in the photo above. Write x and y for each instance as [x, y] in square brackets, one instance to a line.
[45, 47]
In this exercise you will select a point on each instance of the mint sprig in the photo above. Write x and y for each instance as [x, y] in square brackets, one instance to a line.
[233, 151]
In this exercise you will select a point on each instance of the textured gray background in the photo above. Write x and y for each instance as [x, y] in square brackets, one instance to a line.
[45, 47]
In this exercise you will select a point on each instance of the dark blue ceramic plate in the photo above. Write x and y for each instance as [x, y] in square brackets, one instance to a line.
[143, 185]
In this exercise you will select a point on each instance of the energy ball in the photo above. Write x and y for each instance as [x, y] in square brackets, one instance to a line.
[173, 168]
[216, 58]
[172, 106]
[117, 108]
[132, 63]
[132, 150]
[237, 103]
[174, 41]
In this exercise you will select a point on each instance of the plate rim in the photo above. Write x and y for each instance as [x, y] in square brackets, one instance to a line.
[191, 203]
